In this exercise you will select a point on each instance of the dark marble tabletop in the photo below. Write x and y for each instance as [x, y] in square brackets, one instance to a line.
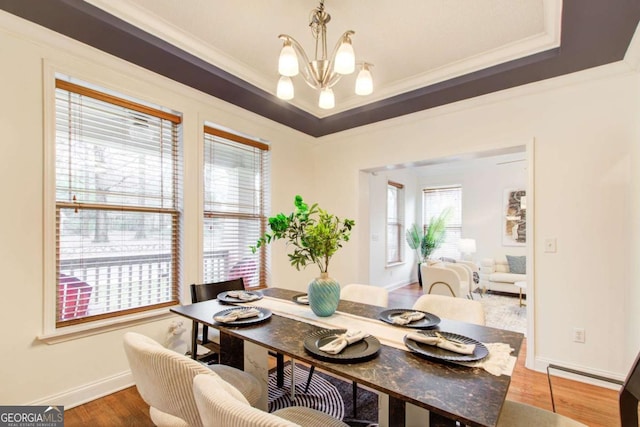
[469, 395]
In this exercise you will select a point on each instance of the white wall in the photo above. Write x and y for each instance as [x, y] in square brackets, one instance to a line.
[483, 183]
[585, 128]
[379, 274]
[70, 372]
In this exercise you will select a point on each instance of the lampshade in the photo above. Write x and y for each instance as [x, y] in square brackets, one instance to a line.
[285, 88]
[364, 82]
[467, 246]
[288, 61]
[327, 100]
[345, 62]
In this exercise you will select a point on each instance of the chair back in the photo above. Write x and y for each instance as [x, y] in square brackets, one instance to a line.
[221, 404]
[163, 377]
[629, 396]
[365, 294]
[437, 279]
[466, 276]
[447, 307]
[209, 291]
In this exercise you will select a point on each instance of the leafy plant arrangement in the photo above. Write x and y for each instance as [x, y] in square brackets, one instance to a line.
[315, 234]
[424, 242]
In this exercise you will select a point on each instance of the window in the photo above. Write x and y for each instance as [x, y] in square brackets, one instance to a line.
[117, 183]
[236, 191]
[395, 204]
[436, 200]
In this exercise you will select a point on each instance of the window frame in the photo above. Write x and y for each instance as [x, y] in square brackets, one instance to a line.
[54, 331]
[449, 226]
[399, 225]
[262, 216]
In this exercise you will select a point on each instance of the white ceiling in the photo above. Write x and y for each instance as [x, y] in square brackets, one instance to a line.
[412, 46]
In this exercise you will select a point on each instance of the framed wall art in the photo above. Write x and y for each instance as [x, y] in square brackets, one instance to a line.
[514, 228]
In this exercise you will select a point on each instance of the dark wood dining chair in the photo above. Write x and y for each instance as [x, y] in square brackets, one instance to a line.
[205, 292]
[211, 341]
[514, 414]
[630, 395]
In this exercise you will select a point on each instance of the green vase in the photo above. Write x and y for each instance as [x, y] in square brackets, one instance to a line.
[324, 295]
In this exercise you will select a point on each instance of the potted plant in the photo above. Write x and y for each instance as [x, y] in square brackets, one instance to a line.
[425, 241]
[315, 236]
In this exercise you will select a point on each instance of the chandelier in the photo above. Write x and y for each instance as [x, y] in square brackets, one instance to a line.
[323, 72]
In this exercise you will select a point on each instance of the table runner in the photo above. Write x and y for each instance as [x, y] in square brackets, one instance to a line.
[499, 362]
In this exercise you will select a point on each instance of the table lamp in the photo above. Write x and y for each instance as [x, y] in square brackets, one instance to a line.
[467, 247]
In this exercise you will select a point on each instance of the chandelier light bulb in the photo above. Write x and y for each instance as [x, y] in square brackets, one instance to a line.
[345, 62]
[327, 100]
[288, 61]
[285, 88]
[364, 82]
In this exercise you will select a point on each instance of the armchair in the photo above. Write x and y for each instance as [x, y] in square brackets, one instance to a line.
[438, 279]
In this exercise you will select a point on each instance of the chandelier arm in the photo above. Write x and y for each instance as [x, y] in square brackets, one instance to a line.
[296, 46]
[306, 71]
[344, 36]
[333, 79]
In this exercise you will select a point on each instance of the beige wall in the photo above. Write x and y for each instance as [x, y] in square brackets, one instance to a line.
[586, 133]
[73, 371]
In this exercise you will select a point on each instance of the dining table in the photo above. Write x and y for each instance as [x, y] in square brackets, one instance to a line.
[413, 389]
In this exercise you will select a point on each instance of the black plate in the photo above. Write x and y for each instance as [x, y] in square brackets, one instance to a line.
[297, 301]
[434, 352]
[265, 313]
[363, 350]
[428, 321]
[224, 297]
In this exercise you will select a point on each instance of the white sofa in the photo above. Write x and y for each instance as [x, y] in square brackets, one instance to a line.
[496, 276]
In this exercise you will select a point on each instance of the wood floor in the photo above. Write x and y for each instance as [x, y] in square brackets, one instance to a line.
[591, 405]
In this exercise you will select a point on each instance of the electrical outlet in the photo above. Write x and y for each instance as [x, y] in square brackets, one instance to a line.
[578, 335]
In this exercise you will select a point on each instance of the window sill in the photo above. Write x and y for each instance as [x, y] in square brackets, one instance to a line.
[69, 333]
[395, 264]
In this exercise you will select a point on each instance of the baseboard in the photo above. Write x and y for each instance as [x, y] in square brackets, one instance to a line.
[397, 285]
[541, 364]
[88, 392]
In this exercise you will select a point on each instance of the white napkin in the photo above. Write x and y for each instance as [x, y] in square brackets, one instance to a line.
[242, 295]
[408, 317]
[442, 342]
[241, 313]
[303, 299]
[342, 341]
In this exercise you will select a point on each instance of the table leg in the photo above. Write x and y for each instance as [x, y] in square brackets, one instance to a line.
[397, 412]
[194, 340]
[256, 362]
[231, 351]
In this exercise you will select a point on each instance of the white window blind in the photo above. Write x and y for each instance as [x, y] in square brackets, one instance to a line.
[435, 201]
[118, 185]
[395, 203]
[236, 194]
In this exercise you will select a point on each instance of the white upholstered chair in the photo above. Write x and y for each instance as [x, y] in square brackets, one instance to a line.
[164, 379]
[465, 273]
[366, 294]
[447, 307]
[439, 280]
[220, 404]
[515, 414]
